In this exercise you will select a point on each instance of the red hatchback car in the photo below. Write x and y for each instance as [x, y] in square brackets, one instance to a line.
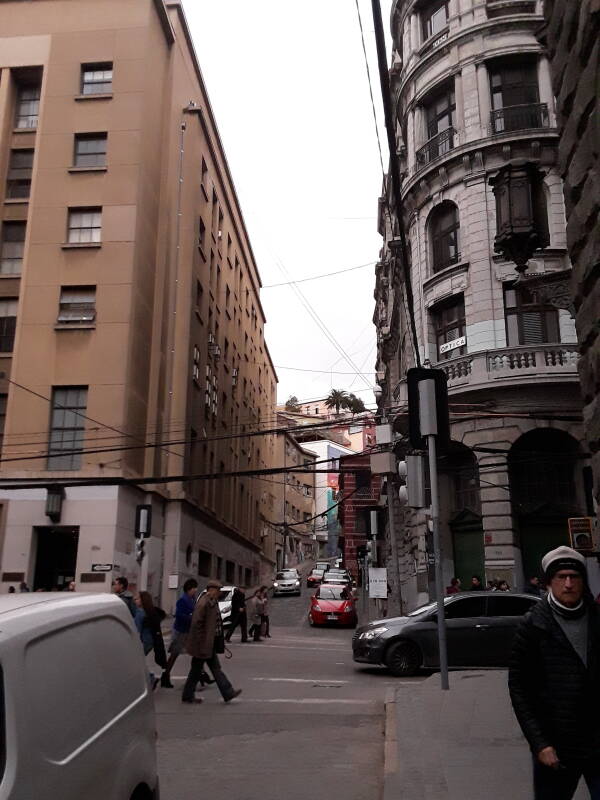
[332, 604]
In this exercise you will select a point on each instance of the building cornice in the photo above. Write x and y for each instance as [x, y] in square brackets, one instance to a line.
[165, 21]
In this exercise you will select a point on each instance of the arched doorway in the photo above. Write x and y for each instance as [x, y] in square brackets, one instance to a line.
[461, 471]
[546, 488]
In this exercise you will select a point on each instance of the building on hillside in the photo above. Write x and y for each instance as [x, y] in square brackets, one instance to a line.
[327, 494]
[132, 333]
[472, 93]
[360, 493]
[289, 523]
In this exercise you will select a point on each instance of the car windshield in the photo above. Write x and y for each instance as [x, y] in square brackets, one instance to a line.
[423, 609]
[317, 573]
[285, 576]
[224, 594]
[335, 578]
[332, 593]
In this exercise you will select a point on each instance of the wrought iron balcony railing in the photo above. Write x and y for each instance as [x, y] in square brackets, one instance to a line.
[519, 118]
[437, 146]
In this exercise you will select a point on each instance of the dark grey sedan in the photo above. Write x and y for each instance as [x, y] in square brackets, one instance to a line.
[480, 628]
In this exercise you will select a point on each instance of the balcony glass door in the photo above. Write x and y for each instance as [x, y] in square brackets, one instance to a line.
[515, 97]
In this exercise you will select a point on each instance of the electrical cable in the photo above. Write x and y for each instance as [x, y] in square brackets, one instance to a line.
[362, 36]
[318, 277]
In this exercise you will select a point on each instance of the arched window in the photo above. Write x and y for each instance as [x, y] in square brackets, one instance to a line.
[444, 229]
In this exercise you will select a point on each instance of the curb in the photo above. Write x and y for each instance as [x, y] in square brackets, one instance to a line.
[390, 745]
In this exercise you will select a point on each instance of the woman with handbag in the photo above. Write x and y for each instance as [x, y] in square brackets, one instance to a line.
[147, 621]
[205, 641]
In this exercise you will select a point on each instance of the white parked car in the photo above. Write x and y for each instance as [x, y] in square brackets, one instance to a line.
[225, 596]
[76, 710]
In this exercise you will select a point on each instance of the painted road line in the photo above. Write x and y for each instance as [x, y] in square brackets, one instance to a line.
[328, 681]
[311, 701]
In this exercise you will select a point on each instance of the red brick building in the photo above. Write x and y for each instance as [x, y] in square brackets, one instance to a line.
[362, 490]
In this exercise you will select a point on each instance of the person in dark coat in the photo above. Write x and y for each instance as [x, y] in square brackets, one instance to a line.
[554, 680]
[205, 639]
[476, 584]
[533, 586]
[121, 589]
[147, 621]
[238, 615]
[184, 608]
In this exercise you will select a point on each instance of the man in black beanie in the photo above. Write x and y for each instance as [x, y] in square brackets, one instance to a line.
[554, 680]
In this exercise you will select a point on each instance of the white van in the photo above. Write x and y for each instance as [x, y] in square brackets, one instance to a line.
[76, 711]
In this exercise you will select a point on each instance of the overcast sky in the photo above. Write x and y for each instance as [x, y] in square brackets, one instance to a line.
[288, 85]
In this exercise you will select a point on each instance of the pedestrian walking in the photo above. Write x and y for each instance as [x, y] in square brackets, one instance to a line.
[147, 620]
[23, 587]
[254, 610]
[503, 586]
[70, 586]
[533, 586]
[554, 680]
[121, 589]
[454, 587]
[476, 584]
[184, 609]
[11, 590]
[204, 643]
[265, 625]
[238, 615]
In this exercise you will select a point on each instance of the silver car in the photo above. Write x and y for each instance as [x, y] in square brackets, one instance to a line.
[287, 582]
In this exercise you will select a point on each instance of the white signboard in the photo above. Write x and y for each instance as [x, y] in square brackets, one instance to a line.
[378, 582]
[445, 348]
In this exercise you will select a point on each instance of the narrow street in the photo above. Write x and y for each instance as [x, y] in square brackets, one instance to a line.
[308, 724]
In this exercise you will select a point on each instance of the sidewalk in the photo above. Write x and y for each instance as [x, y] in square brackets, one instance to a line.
[461, 743]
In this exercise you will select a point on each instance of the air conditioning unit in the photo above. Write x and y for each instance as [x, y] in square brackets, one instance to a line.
[219, 234]
[211, 338]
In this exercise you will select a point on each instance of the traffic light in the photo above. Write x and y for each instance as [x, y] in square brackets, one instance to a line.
[361, 552]
[139, 550]
[143, 521]
[371, 558]
[414, 376]
[412, 474]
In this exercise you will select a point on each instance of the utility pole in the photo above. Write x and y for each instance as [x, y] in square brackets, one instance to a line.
[285, 527]
[429, 429]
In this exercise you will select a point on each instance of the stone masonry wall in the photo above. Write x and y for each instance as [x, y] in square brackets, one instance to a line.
[572, 37]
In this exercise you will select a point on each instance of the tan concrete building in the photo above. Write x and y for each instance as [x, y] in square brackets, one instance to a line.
[131, 329]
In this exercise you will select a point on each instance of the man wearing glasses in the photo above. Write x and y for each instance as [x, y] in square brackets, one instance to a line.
[554, 680]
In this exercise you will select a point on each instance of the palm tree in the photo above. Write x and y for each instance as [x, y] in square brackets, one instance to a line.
[337, 399]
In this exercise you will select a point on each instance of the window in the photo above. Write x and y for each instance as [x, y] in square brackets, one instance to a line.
[247, 577]
[199, 295]
[204, 177]
[3, 401]
[466, 607]
[444, 229]
[67, 427]
[229, 572]
[440, 113]
[12, 247]
[219, 567]
[196, 364]
[204, 563]
[434, 18]
[77, 304]
[85, 225]
[528, 322]
[507, 606]
[96, 78]
[201, 232]
[90, 149]
[18, 182]
[515, 97]
[8, 324]
[449, 323]
[28, 107]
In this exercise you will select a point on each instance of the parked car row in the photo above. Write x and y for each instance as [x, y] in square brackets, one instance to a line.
[479, 627]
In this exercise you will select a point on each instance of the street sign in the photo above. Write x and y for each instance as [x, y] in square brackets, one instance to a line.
[580, 531]
[378, 582]
[460, 342]
[102, 567]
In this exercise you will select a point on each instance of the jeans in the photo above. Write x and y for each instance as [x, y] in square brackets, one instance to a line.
[561, 784]
[195, 672]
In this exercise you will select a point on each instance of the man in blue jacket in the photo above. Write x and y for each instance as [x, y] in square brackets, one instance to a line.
[184, 609]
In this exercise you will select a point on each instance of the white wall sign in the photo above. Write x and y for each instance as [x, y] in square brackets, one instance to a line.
[377, 582]
[173, 581]
[445, 348]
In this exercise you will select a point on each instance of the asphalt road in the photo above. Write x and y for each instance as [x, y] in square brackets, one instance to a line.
[309, 723]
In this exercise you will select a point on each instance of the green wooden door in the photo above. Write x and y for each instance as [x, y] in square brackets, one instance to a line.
[468, 555]
[537, 538]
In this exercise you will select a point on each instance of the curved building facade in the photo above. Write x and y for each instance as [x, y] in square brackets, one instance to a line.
[472, 92]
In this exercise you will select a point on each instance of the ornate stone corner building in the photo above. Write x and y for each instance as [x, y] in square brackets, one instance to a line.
[472, 93]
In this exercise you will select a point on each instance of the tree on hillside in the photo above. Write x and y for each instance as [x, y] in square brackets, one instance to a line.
[355, 404]
[337, 399]
[292, 403]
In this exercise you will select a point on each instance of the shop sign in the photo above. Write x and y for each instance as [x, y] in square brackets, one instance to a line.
[453, 345]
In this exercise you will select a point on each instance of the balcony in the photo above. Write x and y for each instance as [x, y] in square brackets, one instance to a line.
[437, 146]
[511, 365]
[520, 118]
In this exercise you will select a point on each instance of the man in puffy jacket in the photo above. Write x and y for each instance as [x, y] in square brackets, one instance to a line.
[554, 680]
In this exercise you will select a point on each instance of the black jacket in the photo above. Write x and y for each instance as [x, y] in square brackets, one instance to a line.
[555, 697]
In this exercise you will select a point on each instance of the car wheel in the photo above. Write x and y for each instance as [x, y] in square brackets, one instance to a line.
[403, 659]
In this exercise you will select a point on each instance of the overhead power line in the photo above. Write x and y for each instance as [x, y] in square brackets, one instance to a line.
[318, 277]
[362, 36]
